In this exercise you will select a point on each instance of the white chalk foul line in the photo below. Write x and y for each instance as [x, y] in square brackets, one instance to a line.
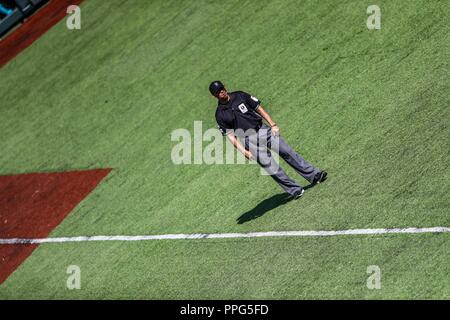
[197, 236]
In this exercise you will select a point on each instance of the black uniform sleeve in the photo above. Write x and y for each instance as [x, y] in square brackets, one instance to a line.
[252, 101]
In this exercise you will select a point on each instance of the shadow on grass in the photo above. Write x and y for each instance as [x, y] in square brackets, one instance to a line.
[264, 207]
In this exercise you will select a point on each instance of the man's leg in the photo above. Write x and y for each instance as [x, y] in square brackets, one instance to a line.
[296, 161]
[264, 158]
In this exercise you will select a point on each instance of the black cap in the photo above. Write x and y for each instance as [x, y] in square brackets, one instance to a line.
[215, 87]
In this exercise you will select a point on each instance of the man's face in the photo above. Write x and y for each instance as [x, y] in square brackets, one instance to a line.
[222, 94]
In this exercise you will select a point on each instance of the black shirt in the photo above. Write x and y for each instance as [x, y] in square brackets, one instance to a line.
[238, 113]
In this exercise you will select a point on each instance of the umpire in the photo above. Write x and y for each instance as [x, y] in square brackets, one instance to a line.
[239, 111]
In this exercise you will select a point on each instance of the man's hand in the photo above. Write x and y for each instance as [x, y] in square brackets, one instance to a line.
[237, 144]
[249, 155]
[275, 130]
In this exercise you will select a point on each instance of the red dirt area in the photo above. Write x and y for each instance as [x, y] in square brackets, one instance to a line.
[32, 205]
[33, 28]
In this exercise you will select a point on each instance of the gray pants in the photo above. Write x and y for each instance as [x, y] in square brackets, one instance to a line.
[262, 143]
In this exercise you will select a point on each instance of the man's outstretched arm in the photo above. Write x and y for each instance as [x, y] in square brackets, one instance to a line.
[266, 116]
[238, 145]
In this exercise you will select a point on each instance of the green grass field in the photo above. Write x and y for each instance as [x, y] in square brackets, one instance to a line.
[370, 107]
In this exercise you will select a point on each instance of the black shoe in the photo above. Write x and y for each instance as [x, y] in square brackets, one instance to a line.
[297, 195]
[320, 177]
